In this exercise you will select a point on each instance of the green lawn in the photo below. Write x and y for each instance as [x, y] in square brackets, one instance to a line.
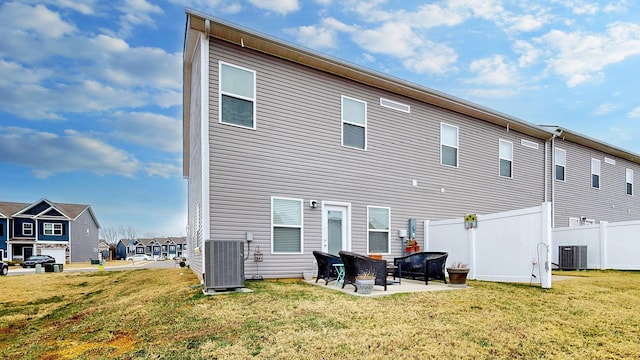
[142, 314]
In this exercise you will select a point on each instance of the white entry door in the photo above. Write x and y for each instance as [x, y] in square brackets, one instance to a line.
[336, 227]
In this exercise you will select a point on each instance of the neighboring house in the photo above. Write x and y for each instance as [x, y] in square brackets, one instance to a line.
[300, 152]
[104, 249]
[168, 247]
[68, 232]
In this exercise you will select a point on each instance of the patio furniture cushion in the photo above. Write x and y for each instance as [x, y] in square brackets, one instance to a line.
[326, 270]
[427, 264]
[354, 264]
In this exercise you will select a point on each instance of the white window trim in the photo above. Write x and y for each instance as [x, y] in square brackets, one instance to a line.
[27, 229]
[500, 141]
[596, 161]
[395, 105]
[343, 121]
[388, 231]
[301, 226]
[220, 93]
[457, 147]
[628, 180]
[557, 164]
[53, 231]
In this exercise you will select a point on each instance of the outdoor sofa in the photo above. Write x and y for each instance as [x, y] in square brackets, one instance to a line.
[326, 270]
[355, 264]
[426, 264]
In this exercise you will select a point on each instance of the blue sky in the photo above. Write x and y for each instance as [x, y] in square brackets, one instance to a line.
[90, 92]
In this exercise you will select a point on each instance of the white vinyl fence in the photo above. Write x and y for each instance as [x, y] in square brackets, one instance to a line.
[609, 245]
[509, 246]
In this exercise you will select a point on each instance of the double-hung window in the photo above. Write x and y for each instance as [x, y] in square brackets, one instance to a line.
[286, 225]
[354, 123]
[448, 145]
[629, 176]
[53, 229]
[378, 232]
[595, 173]
[27, 229]
[506, 158]
[561, 163]
[237, 96]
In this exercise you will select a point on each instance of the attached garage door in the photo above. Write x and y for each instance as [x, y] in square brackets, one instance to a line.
[59, 254]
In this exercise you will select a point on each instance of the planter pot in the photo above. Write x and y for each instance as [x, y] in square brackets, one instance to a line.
[457, 277]
[365, 286]
[307, 275]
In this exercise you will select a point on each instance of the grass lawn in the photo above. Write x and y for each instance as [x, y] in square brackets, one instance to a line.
[162, 314]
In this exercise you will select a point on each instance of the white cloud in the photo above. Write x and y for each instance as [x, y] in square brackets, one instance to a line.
[635, 113]
[71, 73]
[604, 109]
[33, 19]
[433, 58]
[279, 6]
[211, 6]
[528, 53]
[149, 129]
[134, 13]
[85, 7]
[581, 57]
[163, 170]
[47, 153]
[494, 70]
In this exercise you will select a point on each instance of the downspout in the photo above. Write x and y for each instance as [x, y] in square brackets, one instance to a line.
[553, 180]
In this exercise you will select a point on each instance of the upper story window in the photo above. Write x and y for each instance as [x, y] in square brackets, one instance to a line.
[354, 123]
[237, 96]
[629, 176]
[595, 173]
[27, 229]
[378, 232]
[53, 229]
[448, 145]
[506, 158]
[561, 164]
[286, 225]
[1, 229]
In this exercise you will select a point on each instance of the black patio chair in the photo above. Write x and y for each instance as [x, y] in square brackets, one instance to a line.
[355, 264]
[326, 270]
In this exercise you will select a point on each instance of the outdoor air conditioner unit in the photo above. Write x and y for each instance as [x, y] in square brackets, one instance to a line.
[224, 265]
[572, 257]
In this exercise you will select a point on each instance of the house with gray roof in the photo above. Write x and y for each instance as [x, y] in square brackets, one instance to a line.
[68, 232]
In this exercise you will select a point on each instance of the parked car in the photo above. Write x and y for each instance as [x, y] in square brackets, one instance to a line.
[32, 261]
[139, 257]
[4, 268]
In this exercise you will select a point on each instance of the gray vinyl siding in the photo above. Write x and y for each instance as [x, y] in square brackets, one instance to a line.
[194, 236]
[575, 197]
[84, 238]
[296, 152]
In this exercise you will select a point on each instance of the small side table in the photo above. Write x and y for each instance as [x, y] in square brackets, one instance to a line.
[391, 271]
[340, 271]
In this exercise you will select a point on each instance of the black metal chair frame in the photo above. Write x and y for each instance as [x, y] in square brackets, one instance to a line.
[354, 264]
[426, 264]
[326, 270]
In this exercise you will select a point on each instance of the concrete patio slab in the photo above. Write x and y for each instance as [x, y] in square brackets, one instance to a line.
[407, 286]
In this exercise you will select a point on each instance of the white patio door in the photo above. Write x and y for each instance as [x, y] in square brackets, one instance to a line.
[336, 227]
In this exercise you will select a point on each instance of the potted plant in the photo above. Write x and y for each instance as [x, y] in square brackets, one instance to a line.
[308, 273]
[365, 281]
[458, 274]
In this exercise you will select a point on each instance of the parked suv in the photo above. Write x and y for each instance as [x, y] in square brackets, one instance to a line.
[4, 268]
[32, 261]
